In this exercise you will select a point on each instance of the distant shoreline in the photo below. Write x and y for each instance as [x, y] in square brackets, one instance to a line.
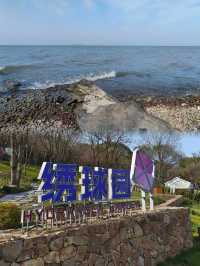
[100, 45]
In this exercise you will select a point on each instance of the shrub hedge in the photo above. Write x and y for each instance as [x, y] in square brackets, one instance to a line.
[9, 216]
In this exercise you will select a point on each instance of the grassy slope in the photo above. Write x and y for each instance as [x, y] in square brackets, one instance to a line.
[31, 174]
[195, 218]
[190, 257]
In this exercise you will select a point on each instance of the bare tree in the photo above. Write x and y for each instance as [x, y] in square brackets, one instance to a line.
[55, 145]
[107, 148]
[19, 153]
[13, 161]
[163, 148]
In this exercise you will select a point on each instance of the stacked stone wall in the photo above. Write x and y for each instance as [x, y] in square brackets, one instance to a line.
[140, 240]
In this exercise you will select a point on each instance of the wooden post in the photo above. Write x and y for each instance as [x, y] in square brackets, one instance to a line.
[151, 202]
[143, 199]
[109, 184]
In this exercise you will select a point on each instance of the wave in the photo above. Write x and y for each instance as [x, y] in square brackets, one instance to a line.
[93, 77]
[89, 77]
[4, 70]
[132, 73]
[104, 75]
[111, 74]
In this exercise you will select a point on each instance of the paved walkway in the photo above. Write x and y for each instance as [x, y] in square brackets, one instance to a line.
[19, 197]
[175, 201]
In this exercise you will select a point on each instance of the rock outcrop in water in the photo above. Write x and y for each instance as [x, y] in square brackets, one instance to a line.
[12, 85]
[82, 106]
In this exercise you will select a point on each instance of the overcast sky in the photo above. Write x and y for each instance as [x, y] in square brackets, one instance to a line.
[113, 22]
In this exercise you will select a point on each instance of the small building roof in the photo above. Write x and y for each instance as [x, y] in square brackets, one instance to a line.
[178, 182]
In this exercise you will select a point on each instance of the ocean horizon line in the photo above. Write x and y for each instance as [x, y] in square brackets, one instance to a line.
[97, 45]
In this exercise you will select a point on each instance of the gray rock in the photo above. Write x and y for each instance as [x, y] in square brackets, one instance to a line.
[124, 116]
[141, 261]
[34, 262]
[56, 244]
[11, 251]
[3, 263]
[67, 253]
[12, 85]
[52, 257]
[75, 240]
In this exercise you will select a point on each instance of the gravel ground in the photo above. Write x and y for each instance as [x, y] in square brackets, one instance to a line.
[183, 118]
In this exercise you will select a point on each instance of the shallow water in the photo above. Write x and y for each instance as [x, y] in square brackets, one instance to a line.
[136, 69]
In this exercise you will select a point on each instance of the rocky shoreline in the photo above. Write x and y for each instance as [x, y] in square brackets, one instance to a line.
[84, 106]
[181, 113]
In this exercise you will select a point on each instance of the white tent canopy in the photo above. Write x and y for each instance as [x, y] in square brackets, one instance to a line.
[178, 183]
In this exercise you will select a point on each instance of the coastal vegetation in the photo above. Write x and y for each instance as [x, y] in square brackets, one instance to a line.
[104, 148]
[10, 214]
[27, 150]
[190, 257]
[23, 153]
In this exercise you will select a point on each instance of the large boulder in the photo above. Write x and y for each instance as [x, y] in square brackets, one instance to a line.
[99, 110]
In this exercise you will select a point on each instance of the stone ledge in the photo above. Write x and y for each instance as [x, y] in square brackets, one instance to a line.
[141, 239]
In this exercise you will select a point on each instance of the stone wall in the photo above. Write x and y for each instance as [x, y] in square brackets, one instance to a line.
[140, 240]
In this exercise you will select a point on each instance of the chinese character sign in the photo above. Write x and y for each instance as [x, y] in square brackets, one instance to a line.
[94, 183]
[68, 182]
[120, 184]
[60, 182]
[57, 182]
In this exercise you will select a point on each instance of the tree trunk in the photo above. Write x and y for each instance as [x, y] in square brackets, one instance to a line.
[19, 165]
[13, 160]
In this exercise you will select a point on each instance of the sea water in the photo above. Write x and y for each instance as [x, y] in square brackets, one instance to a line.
[118, 69]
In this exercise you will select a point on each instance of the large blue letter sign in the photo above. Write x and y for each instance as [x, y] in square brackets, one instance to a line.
[86, 183]
[99, 178]
[59, 183]
[94, 182]
[121, 184]
[56, 180]
[65, 177]
[47, 175]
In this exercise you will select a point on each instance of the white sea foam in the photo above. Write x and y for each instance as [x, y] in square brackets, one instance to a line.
[104, 75]
[89, 77]
[93, 77]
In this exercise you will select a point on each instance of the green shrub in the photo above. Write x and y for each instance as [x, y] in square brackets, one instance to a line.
[190, 257]
[192, 195]
[186, 202]
[158, 200]
[197, 196]
[9, 216]
[194, 212]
